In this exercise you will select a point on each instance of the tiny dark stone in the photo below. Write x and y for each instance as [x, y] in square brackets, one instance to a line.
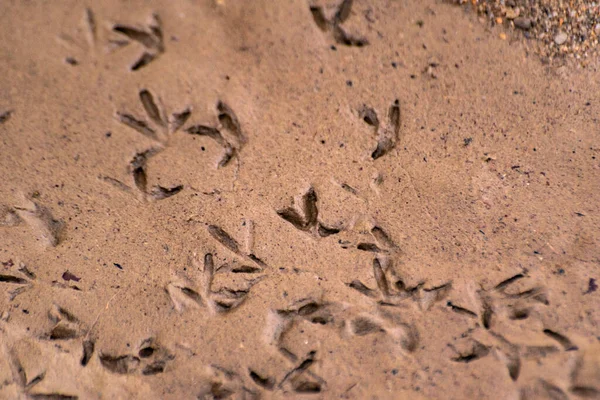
[522, 23]
[118, 266]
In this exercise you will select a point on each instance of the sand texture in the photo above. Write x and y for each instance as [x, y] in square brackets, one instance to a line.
[205, 199]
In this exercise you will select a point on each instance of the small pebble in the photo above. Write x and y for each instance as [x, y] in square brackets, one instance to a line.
[560, 38]
[523, 23]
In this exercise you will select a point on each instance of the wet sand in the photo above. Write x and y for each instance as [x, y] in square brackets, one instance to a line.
[219, 199]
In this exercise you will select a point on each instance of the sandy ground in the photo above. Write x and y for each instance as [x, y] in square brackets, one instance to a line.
[264, 199]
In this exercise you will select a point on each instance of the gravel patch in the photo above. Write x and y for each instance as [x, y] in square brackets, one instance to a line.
[561, 29]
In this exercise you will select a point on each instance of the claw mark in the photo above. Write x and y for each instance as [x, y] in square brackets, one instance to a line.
[292, 216]
[486, 315]
[230, 243]
[309, 207]
[512, 362]
[138, 170]
[309, 221]
[145, 59]
[25, 271]
[13, 279]
[160, 193]
[183, 297]
[40, 219]
[151, 39]
[335, 24]
[151, 360]
[369, 115]
[225, 384]
[66, 325]
[57, 314]
[179, 119]
[371, 247]
[307, 387]
[116, 183]
[245, 269]
[563, 340]
[342, 37]
[461, 310]
[151, 108]
[35, 381]
[267, 383]
[502, 285]
[23, 284]
[319, 17]
[137, 166]
[90, 26]
[223, 237]
[154, 113]
[382, 237]
[90, 22]
[349, 188]
[387, 136]
[16, 368]
[219, 301]
[88, 351]
[139, 126]
[208, 131]
[380, 278]
[343, 11]
[477, 351]
[123, 365]
[509, 354]
[363, 326]
[553, 391]
[231, 124]
[18, 373]
[52, 396]
[585, 392]
[393, 294]
[537, 294]
[301, 368]
[410, 339]
[62, 332]
[156, 367]
[433, 295]
[146, 39]
[361, 288]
